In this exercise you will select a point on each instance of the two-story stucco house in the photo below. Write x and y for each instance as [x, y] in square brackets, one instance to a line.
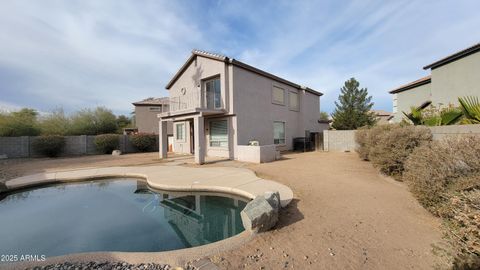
[146, 111]
[455, 76]
[219, 105]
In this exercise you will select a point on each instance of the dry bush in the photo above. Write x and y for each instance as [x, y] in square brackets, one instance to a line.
[361, 136]
[463, 229]
[445, 177]
[366, 137]
[440, 167]
[390, 147]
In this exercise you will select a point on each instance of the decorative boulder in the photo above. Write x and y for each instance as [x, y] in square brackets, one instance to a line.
[259, 215]
[273, 198]
[116, 153]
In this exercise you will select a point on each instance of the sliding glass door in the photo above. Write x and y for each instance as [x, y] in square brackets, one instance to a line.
[214, 94]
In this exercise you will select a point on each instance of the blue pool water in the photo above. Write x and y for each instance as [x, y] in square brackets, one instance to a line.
[113, 215]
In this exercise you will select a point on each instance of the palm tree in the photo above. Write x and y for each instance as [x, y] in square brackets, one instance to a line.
[471, 110]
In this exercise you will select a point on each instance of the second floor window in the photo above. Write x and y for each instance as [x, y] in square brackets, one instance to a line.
[278, 95]
[293, 101]
[214, 94]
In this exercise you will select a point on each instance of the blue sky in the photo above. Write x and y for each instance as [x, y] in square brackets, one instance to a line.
[77, 54]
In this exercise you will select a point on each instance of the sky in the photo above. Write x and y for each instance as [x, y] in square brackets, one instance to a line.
[79, 54]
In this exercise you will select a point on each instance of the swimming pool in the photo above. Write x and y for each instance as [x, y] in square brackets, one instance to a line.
[113, 215]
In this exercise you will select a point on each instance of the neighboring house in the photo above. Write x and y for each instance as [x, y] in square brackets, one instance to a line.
[220, 105]
[455, 76]
[146, 111]
[383, 117]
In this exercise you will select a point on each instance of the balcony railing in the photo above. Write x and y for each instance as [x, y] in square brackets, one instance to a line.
[193, 99]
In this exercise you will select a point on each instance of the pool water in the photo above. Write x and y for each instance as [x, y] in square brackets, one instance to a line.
[113, 215]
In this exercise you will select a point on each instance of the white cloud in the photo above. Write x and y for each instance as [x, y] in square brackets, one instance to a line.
[77, 54]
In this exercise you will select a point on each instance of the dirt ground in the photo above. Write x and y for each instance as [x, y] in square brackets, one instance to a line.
[344, 215]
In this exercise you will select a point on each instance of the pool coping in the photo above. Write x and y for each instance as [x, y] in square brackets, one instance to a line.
[241, 182]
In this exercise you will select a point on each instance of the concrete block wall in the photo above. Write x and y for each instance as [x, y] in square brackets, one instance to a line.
[339, 140]
[21, 147]
[344, 140]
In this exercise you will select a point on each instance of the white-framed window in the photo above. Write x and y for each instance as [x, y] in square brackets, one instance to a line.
[180, 131]
[278, 95]
[278, 132]
[293, 101]
[219, 133]
[214, 93]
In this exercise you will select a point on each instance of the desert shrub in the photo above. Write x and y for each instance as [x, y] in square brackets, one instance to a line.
[390, 147]
[93, 122]
[106, 143]
[449, 165]
[21, 123]
[361, 136]
[49, 145]
[143, 142]
[463, 228]
[445, 177]
[55, 123]
[366, 137]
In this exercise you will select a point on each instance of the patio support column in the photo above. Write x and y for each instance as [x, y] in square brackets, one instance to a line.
[199, 129]
[162, 139]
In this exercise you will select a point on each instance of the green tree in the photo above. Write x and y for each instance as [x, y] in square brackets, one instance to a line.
[324, 116]
[93, 122]
[123, 122]
[55, 123]
[20, 123]
[353, 107]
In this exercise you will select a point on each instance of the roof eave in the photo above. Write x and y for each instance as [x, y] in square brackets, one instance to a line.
[454, 57]
[395, 91]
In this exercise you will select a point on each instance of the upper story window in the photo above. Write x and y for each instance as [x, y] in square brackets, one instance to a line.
[278, 132]
[278, 95]
[155, 109]
[214, 93]
[293, 101]
[180, 131]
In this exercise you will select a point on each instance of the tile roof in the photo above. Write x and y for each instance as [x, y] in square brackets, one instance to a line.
[405, 87]
[152, 101]
[223, 58]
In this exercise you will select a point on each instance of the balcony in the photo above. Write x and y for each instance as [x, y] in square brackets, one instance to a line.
[195, 101]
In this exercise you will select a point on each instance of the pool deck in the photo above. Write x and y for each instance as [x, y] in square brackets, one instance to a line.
[237, 181]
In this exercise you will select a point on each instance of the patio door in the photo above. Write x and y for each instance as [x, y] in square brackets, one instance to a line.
[213, 94]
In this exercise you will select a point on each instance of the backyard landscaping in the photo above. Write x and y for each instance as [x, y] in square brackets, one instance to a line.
[344, 215]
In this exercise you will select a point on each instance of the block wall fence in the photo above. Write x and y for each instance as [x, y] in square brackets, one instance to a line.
[344, 140]
[21, 147]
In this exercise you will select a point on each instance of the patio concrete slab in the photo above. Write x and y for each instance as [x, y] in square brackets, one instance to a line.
[238, 181]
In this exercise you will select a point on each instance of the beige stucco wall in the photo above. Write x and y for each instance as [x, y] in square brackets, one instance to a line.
[456, 79]
[200, 69]
[146, 121]
[247, 100]
[255, 112]
[411, 98]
